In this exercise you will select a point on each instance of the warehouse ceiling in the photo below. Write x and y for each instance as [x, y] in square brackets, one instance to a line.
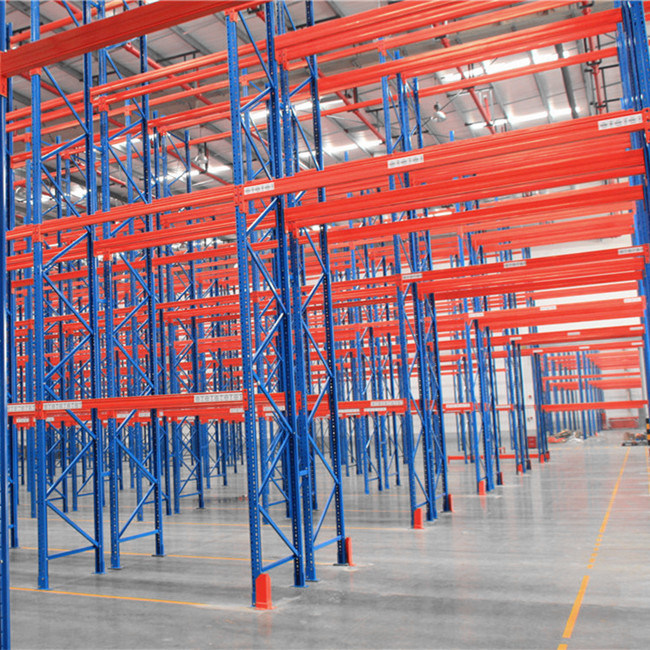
[524, 101]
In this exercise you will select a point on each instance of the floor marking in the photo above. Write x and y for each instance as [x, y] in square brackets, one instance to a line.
[577, 603]
[167, 522]
[212, 523]
[133, 598]
[614, 493]
[176, 555]
[203, 557]
[189, 557]
[575, 610]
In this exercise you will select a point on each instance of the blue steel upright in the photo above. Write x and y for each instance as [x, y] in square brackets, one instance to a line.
[634, 61]
[5, 429]
[423, 423]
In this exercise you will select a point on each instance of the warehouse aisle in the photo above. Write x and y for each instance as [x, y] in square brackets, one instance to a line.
[507, 570]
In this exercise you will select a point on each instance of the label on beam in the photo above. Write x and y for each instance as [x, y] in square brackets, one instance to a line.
[386, 402]
[631, 250]
[409, 277]
[637, 299]
[406, 161]
[218, 397]
[548, 307]
[60, 406]
[619, 122]
[512, 265]
[257, 189]
[20, 408]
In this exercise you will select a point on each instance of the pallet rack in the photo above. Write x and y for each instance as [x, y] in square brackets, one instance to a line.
[301, 320]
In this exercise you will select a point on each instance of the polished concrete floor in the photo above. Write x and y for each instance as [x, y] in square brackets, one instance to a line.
[556, 558]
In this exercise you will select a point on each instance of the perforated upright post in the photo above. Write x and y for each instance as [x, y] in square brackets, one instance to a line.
[634, 59]
[5, 427]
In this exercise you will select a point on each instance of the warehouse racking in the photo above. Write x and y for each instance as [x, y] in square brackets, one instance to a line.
[299, 321]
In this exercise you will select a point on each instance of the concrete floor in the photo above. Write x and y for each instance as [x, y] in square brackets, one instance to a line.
[504, 571]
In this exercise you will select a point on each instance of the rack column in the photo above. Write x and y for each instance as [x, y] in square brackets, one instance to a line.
[5, 429]
[634, 59]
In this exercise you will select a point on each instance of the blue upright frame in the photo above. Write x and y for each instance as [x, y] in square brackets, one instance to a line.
[5, 428]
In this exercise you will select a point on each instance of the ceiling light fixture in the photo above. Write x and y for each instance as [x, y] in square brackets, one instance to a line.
[438, 114]
[331, 150]
[218, 169]
[201, 158]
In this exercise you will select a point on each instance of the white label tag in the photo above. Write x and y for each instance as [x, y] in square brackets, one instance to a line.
[574, 333]
[22, 420]
[20, 408]
[256, 189]
[143, 414]
[405, 161]
[408, 277]
[386, 402]
[511, 265]
[218, 397]
[626, 300]
[631, 250]
[60, 406]
[548, 307]
[618, 122]
[349, 411]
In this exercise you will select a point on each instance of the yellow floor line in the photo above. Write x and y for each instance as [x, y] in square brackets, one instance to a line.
[575, 610]
[192, 557]
[614, 493]
[577, 603]
[176, 555]
[107, 596]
